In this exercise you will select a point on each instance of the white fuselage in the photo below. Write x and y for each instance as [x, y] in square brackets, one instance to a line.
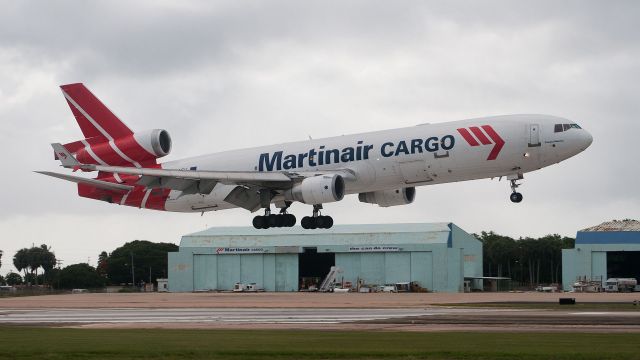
[398, 158]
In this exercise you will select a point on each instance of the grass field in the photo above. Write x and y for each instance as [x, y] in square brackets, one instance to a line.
[58, 343]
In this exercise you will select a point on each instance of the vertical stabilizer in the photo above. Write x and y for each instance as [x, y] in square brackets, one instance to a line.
[93, 117]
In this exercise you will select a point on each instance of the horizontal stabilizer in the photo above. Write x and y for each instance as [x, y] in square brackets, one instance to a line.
[93, 182]
[65, 156]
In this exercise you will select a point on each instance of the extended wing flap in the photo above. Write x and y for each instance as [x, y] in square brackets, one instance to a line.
[244, 198]
[93, 182]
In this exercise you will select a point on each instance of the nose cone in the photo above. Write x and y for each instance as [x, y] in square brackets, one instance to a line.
[585, 140]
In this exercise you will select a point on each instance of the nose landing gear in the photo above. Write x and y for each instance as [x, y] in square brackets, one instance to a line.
[515, 196]
[317, 221]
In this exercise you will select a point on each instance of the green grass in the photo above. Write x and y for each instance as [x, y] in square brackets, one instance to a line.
[59, 343]
[579, 306]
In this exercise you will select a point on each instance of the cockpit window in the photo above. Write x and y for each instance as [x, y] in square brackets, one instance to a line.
[564, 127]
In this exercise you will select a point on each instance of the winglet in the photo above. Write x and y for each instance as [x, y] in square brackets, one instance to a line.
[65, 156]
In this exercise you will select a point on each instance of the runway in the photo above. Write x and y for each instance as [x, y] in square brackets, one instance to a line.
[238, 315]
[406, 312]
[392, 319]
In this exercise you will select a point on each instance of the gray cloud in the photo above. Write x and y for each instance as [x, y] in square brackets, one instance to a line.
[230, 75]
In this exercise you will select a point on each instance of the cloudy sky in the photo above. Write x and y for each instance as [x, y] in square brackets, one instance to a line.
[234, 74]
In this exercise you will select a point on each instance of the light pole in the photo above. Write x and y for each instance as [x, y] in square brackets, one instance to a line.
[133, 275]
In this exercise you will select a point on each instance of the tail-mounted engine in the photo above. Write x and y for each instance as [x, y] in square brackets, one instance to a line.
[141, 148]
[386, 198]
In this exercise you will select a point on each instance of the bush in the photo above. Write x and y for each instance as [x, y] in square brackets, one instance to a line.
[81, 276]
[13, 279]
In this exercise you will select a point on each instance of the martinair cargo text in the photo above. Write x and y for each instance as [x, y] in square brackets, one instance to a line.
[382, 167]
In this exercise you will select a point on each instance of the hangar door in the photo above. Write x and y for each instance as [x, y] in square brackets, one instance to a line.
[623, 264]
[379, 268]
[272, 272]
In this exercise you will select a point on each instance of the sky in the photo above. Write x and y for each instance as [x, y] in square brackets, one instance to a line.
[220, 75]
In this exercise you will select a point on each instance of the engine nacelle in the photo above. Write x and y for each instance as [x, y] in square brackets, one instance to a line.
[156, 141]
[317, 190]
[141, 147]
[386, 198]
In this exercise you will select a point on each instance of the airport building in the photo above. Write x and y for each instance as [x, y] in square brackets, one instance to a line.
[437, 257]
[608, 250]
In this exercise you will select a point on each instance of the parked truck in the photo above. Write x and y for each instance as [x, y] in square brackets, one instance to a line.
[620, 285]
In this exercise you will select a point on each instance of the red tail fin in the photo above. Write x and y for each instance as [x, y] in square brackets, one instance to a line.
[95, 119]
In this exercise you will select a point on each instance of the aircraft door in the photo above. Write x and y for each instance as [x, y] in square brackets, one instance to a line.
[534, 135]
[414, 171]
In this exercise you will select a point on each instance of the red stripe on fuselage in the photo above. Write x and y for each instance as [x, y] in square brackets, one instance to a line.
[467, 136]
[480, 135]
[497, 139]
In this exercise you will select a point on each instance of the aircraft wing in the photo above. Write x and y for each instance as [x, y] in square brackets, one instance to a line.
[93, 182]
[203, 181]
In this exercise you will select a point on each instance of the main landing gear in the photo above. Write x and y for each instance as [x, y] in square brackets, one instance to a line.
[317, 221]
[515, 196]
[270, 220]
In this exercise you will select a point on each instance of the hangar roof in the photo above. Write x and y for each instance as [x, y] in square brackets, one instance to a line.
[337, 229]
[615, 225]
[373, 234]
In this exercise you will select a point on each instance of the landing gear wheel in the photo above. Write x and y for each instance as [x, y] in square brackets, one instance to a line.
[317, 221]
[516, 197]
[258, 222]
[305, 222]
[327, 221]
[289, 220]
[272, 220]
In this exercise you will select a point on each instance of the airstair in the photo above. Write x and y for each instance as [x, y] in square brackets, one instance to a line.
[327, 283]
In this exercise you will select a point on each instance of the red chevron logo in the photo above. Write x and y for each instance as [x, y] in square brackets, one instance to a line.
[476, 136]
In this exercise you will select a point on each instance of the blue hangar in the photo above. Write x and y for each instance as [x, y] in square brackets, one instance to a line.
[608, 250]
[437, 256]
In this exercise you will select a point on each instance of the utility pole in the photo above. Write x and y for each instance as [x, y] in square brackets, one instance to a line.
[133, 275]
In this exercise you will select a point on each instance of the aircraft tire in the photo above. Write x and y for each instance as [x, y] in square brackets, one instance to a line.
[272, 220]
[290, 220]
[305, 222]
[258, 222]
[516, 197]
[327, 222]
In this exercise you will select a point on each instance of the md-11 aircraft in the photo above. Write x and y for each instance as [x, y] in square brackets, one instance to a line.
[382, 167]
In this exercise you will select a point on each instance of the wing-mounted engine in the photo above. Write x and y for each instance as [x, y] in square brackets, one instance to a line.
[141, 148]
[386, 198]
[317, 189]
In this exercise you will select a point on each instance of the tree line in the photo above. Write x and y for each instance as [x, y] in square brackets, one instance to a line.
[527, 261]
[133, 263]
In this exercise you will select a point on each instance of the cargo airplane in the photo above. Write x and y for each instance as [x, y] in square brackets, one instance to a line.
[382, 167]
